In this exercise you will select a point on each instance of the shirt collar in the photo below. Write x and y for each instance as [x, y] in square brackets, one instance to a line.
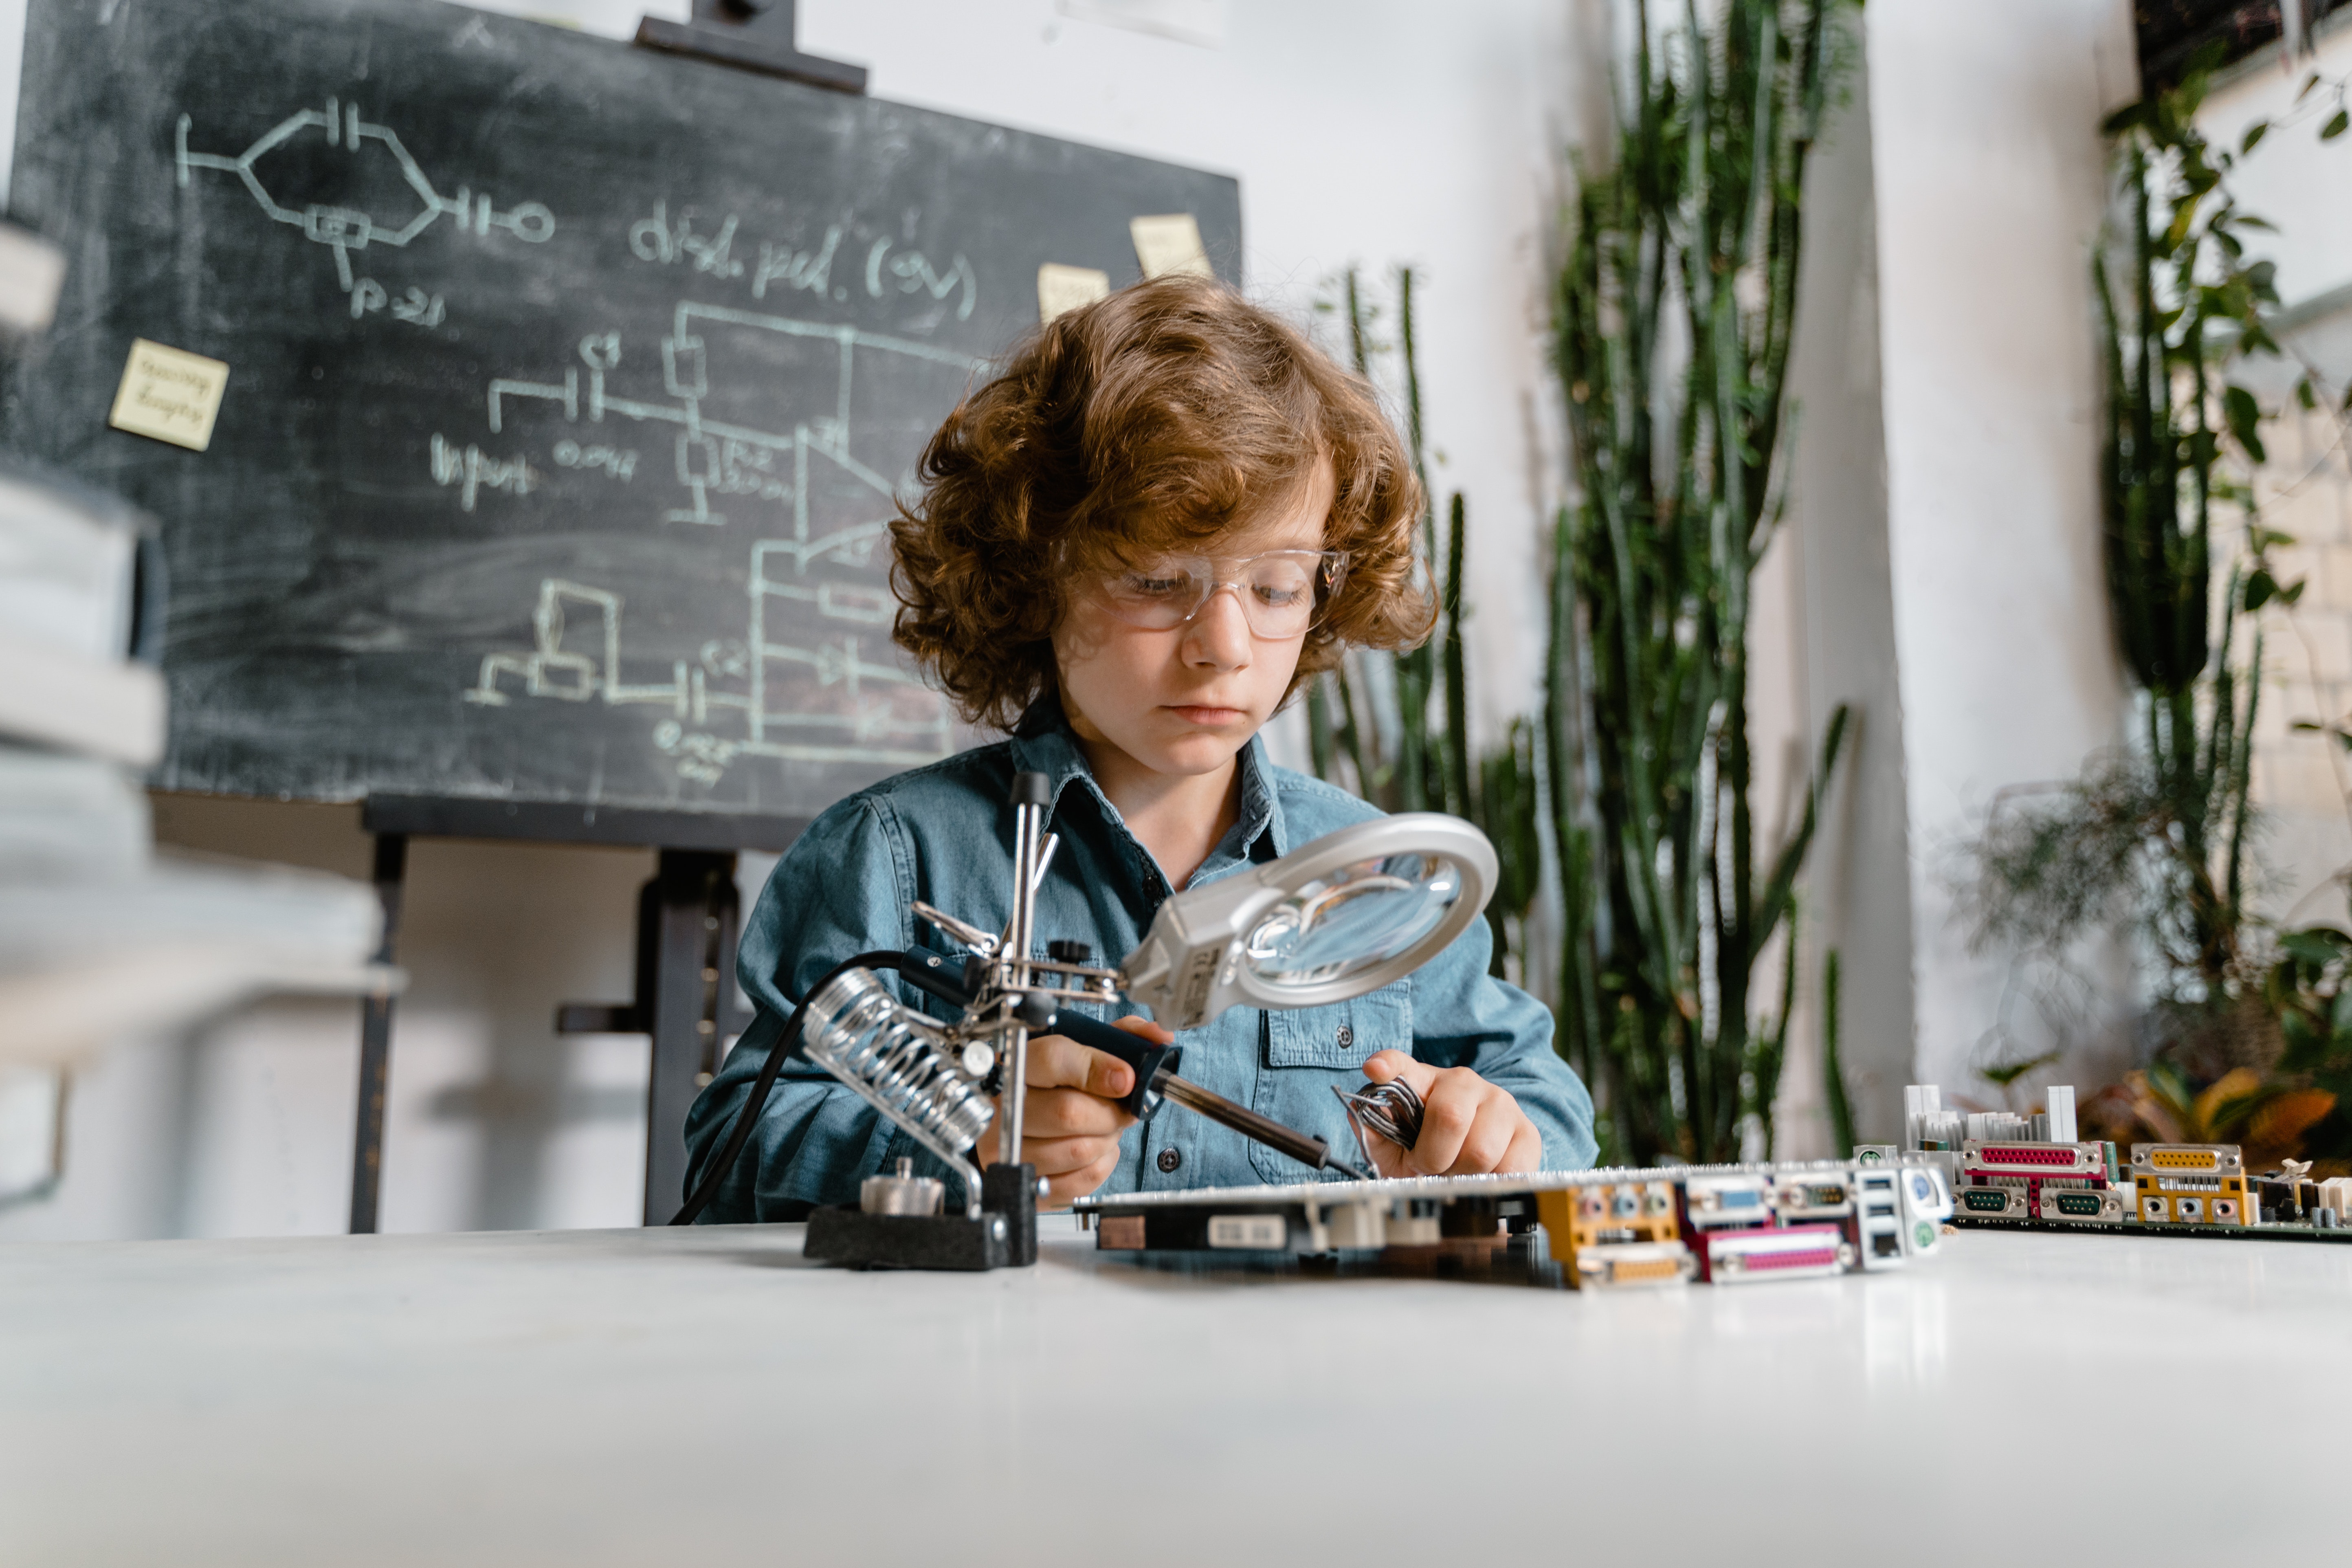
[1042, 742]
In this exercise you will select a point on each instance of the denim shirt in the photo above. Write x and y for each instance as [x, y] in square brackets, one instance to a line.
[943, 833]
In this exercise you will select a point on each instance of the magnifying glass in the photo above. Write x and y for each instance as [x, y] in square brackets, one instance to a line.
[1345, 915]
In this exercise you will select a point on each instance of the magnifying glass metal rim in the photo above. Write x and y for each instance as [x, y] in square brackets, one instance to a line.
[1192, 964]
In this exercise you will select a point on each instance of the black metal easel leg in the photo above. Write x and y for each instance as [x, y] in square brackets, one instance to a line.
[686, 950]
[375, 1043]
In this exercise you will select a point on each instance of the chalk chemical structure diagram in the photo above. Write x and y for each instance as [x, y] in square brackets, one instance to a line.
[799, 684]
[375, 158]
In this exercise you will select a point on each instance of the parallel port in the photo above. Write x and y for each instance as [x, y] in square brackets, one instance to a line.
[2027, 1156]
[1777, 1254]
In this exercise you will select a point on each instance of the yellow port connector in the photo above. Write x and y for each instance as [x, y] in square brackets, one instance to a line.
[2184, 1160]
[1632, 1271]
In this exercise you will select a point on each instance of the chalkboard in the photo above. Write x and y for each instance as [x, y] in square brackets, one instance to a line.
[569, 385]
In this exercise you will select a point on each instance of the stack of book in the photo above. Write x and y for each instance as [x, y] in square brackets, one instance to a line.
[101, 938]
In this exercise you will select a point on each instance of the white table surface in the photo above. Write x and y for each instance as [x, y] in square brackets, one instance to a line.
[705, 1397]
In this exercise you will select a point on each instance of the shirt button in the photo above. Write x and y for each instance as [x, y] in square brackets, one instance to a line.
[1170, 1158]
[1347, 1036]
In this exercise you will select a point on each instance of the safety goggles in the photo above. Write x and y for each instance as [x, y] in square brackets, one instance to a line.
[1281, 593]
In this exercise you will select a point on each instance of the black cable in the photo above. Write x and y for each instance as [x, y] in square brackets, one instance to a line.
[786, 1039]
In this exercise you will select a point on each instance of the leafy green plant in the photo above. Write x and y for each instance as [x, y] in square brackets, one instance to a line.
[2180, 301]
[2156, 838]
[1673, 318]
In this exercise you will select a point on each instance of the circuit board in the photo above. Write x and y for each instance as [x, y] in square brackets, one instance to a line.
[1715, 1225]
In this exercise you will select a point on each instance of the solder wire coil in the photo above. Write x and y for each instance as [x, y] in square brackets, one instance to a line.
[1391, 1110]
[858, 1031]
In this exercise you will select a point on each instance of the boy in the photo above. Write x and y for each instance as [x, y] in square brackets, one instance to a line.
[1166, 515]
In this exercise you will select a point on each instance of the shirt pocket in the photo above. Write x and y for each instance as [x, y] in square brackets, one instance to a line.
[1310, 1051]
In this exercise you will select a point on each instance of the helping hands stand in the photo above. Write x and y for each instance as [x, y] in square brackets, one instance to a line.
[1398, 889]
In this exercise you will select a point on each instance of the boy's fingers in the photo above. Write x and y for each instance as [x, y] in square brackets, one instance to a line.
[1056, 1062]
[1062, 1156]
[1526, 1152]
[1390, 1066]
[1489, 1139]
[1069, 1112]
[1136, 1024]
[1079, 1182]
[1451, 1108]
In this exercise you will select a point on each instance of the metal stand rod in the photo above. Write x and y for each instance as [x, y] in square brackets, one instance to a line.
[375, 1043]
[1030, 798]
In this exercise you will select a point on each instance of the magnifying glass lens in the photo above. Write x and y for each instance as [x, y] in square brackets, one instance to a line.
[1362, 914]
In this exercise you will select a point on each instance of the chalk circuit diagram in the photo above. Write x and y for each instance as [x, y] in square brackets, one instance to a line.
[346, 229]
[813, 678]
[773, 447]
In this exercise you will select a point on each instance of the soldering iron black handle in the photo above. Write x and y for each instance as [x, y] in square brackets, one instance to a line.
[1149, 1061]
[787, 1041]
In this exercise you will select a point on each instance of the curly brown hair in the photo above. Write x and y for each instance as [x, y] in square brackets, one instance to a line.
[1154, 419]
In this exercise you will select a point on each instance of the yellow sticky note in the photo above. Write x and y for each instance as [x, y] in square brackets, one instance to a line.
[1061, 289]
[169, 393]
[1169, 243]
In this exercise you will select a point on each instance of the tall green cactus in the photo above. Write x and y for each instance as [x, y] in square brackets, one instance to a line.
[1401, 723]
[1673, 319]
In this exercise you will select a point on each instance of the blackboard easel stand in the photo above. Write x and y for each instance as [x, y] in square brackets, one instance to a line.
[755, 34]
[687, 919]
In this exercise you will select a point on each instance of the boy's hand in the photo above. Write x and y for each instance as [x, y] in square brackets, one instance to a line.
[1071, 1116]
[1468, 1126]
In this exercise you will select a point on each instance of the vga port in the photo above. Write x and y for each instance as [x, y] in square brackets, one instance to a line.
[1985, 1200]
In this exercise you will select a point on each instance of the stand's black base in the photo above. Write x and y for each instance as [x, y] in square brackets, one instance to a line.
[946, 1242]
[1012, 1191]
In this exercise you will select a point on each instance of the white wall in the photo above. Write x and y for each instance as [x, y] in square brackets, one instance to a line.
[1361, 131]
[1825, 635]
[1990, 185]
[1371, 131]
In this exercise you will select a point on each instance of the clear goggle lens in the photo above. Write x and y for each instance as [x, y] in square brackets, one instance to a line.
[1281, 592]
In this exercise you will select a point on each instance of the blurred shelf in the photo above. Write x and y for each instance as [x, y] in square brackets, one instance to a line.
[59, 1016]
[71, 701]
[85, 963]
